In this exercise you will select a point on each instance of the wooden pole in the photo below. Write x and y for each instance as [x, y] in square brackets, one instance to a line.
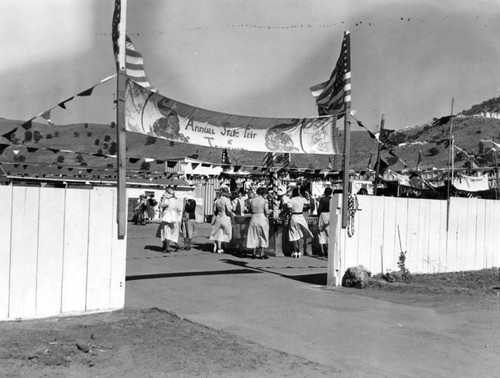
[496, 170]
[377, 164]
[121, 155]
[450, 171]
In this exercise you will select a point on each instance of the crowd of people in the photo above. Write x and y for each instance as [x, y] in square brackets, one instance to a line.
[289, 206]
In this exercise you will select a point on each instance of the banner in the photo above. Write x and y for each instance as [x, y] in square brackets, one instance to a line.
[152, 114]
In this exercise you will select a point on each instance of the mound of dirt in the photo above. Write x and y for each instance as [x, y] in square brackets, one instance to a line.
[138, 343]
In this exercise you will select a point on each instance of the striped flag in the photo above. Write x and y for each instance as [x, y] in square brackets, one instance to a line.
[286, 160]
[225, 157]
[334, 95]
[134, 62]
[268, 160]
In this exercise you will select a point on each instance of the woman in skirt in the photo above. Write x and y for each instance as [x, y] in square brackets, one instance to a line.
[298, 228]
[324, 221]
[258, 229]
[222, 228]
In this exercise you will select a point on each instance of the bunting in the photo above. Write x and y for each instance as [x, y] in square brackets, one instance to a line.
[225, 157]
[268, 160]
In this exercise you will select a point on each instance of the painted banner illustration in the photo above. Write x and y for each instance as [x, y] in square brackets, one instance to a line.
[152, 114]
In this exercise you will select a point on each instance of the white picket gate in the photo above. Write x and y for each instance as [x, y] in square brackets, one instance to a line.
[59, 252]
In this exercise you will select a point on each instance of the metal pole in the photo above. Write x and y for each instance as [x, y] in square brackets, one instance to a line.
[347, 137]
[450, 164]
[379, 149]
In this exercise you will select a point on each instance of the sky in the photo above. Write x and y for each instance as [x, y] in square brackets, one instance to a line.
[254, 57]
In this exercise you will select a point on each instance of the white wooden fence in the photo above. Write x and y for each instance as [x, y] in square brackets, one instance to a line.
[471, 242]
[59, 252]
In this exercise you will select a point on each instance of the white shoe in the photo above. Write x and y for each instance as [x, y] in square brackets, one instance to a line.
[299, 255]
[215, 248]
[220, 251]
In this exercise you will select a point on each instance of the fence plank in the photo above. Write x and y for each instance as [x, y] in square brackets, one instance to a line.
[377, 235]
[50, 251]
[452, 261]
[413, 235]
[479, 251]
[24, 252]
[75, 250]
[118, 260]
[5, 241]
[100, 250]
[390, 241]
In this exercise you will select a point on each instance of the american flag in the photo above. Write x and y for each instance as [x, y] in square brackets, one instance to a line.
[334, 95]
[268, 160]
[225, 157]
[134, 62]
[286, 160]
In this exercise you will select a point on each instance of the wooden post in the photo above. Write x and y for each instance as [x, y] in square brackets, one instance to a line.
[121, 155]
[450, 164]
[496, 168]
[377, 164]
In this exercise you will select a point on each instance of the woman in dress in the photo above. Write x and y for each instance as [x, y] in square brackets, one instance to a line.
[222, 228]
[324, 221]
[258, 229]
[171, 211]
[298, 228]
[188, 222]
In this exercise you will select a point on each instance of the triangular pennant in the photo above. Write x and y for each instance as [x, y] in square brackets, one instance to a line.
[160, 161]
[10, 135]
[62, 104]
[133, 160]
[25, 166]
[3, 147]
[46, 115]
[27, 125]
[32, 149]
[171, 163]
[54, 150]
[86, 92]
[194, 165]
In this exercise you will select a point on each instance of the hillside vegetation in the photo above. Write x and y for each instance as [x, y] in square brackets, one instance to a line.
[78, 145]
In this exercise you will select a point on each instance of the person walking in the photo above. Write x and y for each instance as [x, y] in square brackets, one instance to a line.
[222, 227]
[324, 221]
[308, 211]
[258, 229]
[168, 231]
[188, 222]
[140, 210]
[298, 228]
[150, 207]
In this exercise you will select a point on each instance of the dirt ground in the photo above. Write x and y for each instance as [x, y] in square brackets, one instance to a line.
[156, 343]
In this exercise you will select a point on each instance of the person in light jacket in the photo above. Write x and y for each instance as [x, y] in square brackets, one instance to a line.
[170, 215]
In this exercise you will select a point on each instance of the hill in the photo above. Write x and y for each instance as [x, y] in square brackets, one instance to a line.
[87, 145]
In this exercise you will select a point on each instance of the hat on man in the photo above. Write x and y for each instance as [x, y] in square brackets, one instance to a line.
[224, 190]
[281, 191]
[169, 191]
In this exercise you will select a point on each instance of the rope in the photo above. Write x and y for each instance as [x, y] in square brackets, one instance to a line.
[352, 207]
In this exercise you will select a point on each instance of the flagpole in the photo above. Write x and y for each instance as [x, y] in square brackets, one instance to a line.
[450, 164]
[347, 137]
[496, 168]
[379, 149]
[121, 155]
